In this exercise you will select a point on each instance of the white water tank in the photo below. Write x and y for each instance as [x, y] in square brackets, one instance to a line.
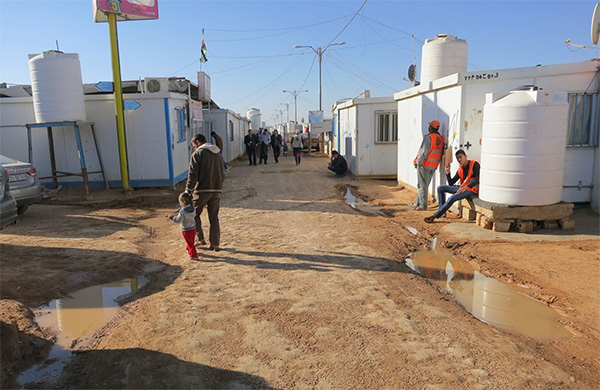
[523, 147]
[253, 114]
[442, 56]
[56, 86]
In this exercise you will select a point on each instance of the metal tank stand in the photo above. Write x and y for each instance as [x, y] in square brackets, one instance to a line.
[56, 173]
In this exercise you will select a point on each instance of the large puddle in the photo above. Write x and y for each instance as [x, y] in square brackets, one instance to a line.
[81, 314]
[491, 301]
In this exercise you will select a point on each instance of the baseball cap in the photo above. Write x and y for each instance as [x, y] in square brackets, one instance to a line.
[435, 124]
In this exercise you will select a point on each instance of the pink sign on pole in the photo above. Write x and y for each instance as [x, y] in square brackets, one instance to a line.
[125, 9]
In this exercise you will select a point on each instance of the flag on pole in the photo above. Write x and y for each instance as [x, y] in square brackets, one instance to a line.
[203, 58]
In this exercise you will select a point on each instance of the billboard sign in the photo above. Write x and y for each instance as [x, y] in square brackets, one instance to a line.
[320, 127]
[315, 116]
[125, 9]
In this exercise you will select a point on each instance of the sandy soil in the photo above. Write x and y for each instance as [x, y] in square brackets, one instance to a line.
[306, 293]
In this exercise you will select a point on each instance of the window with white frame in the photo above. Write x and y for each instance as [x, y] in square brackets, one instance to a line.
[583, 120]
[231, 130]
[386, 126]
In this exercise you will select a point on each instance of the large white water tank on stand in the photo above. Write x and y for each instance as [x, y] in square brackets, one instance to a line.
[442, 56]
[57, 87]
[253, 114]
[523, 147]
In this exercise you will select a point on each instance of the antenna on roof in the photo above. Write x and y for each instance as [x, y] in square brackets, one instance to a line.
[594, 30]
[57, 49]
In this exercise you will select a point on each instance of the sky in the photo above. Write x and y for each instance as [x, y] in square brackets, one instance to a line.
[251, 44]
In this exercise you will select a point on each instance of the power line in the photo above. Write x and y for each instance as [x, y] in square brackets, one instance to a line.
[382, 81]
[309, 72]
[347, 24]
[264, 89]
[279, 29]
[385, 25]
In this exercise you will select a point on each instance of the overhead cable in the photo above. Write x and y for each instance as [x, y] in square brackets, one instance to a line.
[347, 24]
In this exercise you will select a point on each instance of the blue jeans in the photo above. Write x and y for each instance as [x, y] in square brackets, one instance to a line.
[445, 205]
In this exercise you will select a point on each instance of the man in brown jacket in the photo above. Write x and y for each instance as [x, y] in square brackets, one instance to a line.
[205, 182]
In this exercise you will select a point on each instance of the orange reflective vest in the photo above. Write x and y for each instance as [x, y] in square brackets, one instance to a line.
[465, 181]
[434, 156]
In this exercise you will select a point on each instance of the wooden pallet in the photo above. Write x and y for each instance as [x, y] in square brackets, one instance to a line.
[523, 219]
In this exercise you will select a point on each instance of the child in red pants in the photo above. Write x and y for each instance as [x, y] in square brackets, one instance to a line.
[186, 220]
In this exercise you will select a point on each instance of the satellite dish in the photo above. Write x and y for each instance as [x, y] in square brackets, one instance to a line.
[595, 29]
[412, 72]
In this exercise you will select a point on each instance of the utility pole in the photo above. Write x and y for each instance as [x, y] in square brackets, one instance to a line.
[319, 52]
[295, 95]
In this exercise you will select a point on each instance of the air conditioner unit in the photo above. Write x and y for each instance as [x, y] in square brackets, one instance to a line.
[156, 84]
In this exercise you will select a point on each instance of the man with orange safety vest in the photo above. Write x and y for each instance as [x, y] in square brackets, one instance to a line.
[468, 173]
[427, 160]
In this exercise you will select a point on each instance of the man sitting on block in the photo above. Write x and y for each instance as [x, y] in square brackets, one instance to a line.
[468, 173]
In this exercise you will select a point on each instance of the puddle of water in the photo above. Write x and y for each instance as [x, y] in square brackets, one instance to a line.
[489, 300]
[359, 204]
[74, 317]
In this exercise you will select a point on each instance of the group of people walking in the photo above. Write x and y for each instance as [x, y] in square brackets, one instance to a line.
[207, 172]
[259, 143]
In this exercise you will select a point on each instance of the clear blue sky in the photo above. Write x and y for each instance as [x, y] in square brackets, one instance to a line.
[251, 55]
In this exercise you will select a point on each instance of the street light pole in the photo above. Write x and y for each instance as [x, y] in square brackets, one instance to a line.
[319, 52]
[295, 94]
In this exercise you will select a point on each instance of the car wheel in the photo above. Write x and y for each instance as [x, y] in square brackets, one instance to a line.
[21, 209]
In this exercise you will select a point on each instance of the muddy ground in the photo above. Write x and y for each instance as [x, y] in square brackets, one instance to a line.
[306, 293]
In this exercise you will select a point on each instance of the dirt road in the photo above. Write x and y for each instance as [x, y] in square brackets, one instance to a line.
[306, 293]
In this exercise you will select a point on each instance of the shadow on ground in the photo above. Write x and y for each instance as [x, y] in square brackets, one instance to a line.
[143, 369]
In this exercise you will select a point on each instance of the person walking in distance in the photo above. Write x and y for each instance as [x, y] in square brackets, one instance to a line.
[468, 173]
[205, 181]
[265, 141]
[276, 145]
[297, 147]
[427, 160]
[186, 218]
[250, 147]
[219, 143]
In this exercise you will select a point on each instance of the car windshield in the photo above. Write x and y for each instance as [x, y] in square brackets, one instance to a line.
[7, 160]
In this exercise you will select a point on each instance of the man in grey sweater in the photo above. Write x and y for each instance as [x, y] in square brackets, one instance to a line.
[205, 181]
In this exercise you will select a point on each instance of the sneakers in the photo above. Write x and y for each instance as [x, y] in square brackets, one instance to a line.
[420, 208]
[194, 258]
[429, 219]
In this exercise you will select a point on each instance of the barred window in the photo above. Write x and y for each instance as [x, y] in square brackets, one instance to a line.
[386, 126]
[583, 119]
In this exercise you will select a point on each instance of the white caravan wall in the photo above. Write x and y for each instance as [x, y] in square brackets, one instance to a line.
[347, 136]
[414, 115]
[147, 136]
[374, 159]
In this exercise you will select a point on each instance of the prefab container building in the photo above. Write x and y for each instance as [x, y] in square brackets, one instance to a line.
[231, 127]
[458, 101]
[366, 134]
[157, 139]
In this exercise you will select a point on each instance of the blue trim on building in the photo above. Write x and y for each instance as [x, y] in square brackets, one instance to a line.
[338, 130]
[169, 143]
[182, 176]
[115, 183]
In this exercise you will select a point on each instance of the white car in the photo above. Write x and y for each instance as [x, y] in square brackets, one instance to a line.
[8, 205]
[24, 183]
